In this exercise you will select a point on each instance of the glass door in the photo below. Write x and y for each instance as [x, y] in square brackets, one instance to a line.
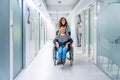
[108, 29]
[86, 32]
[17, 37]
[39, 30]
[91, 31]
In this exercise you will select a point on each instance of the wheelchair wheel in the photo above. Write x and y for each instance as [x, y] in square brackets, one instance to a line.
[54, 62]
[71, 62]
[54, 56]
[71, 56]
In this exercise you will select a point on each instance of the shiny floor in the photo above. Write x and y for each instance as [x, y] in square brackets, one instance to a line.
[42, 68]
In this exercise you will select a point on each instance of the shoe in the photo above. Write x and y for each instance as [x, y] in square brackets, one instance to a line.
[63, 61]
[59, 62]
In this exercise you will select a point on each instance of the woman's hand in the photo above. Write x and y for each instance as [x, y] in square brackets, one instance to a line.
[57, 44]
[67, 44]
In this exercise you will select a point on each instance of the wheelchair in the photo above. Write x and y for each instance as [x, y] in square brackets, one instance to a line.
[70, 58]
[70, 51]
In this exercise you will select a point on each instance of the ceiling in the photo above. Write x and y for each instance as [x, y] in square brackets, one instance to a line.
[60, 8]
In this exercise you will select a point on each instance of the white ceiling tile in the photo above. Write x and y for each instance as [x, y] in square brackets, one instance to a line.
[60, 9]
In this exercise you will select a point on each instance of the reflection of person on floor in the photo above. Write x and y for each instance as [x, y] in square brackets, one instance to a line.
[62, 42]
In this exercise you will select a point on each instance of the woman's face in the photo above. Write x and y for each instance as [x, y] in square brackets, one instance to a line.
[62, 30]
[63, 21]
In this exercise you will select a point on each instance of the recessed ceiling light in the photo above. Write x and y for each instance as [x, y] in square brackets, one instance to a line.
[59, 1]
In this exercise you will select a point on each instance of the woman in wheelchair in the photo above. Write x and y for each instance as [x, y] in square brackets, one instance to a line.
[62, 43]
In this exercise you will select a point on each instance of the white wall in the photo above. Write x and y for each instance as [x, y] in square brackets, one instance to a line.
[50, 27]
[51, 31]
[72, 20]
[29, 34]
[72, 24]
[82, 5]
[30, 31]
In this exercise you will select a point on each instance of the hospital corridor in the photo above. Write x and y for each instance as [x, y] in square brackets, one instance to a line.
[59, 40]
[42, 68]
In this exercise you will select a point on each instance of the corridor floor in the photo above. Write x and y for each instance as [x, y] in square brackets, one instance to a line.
[42, 68]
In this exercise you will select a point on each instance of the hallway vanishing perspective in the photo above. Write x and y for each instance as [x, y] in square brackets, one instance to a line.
[42, 68]
[33, 31]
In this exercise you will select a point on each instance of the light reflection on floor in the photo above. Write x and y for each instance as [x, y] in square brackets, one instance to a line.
[42, 68]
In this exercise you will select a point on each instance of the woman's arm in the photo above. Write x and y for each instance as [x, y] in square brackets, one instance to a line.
[69, 31]
[57, 32]
[70, 41]
[56, 42]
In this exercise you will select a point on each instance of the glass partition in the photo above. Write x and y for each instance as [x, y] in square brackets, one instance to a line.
[37, 26]
[17, 37]
[86, 31]
[91, 31]
[108, 37]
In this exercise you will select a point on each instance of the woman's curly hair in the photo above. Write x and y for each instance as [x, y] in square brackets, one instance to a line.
[60, 22]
